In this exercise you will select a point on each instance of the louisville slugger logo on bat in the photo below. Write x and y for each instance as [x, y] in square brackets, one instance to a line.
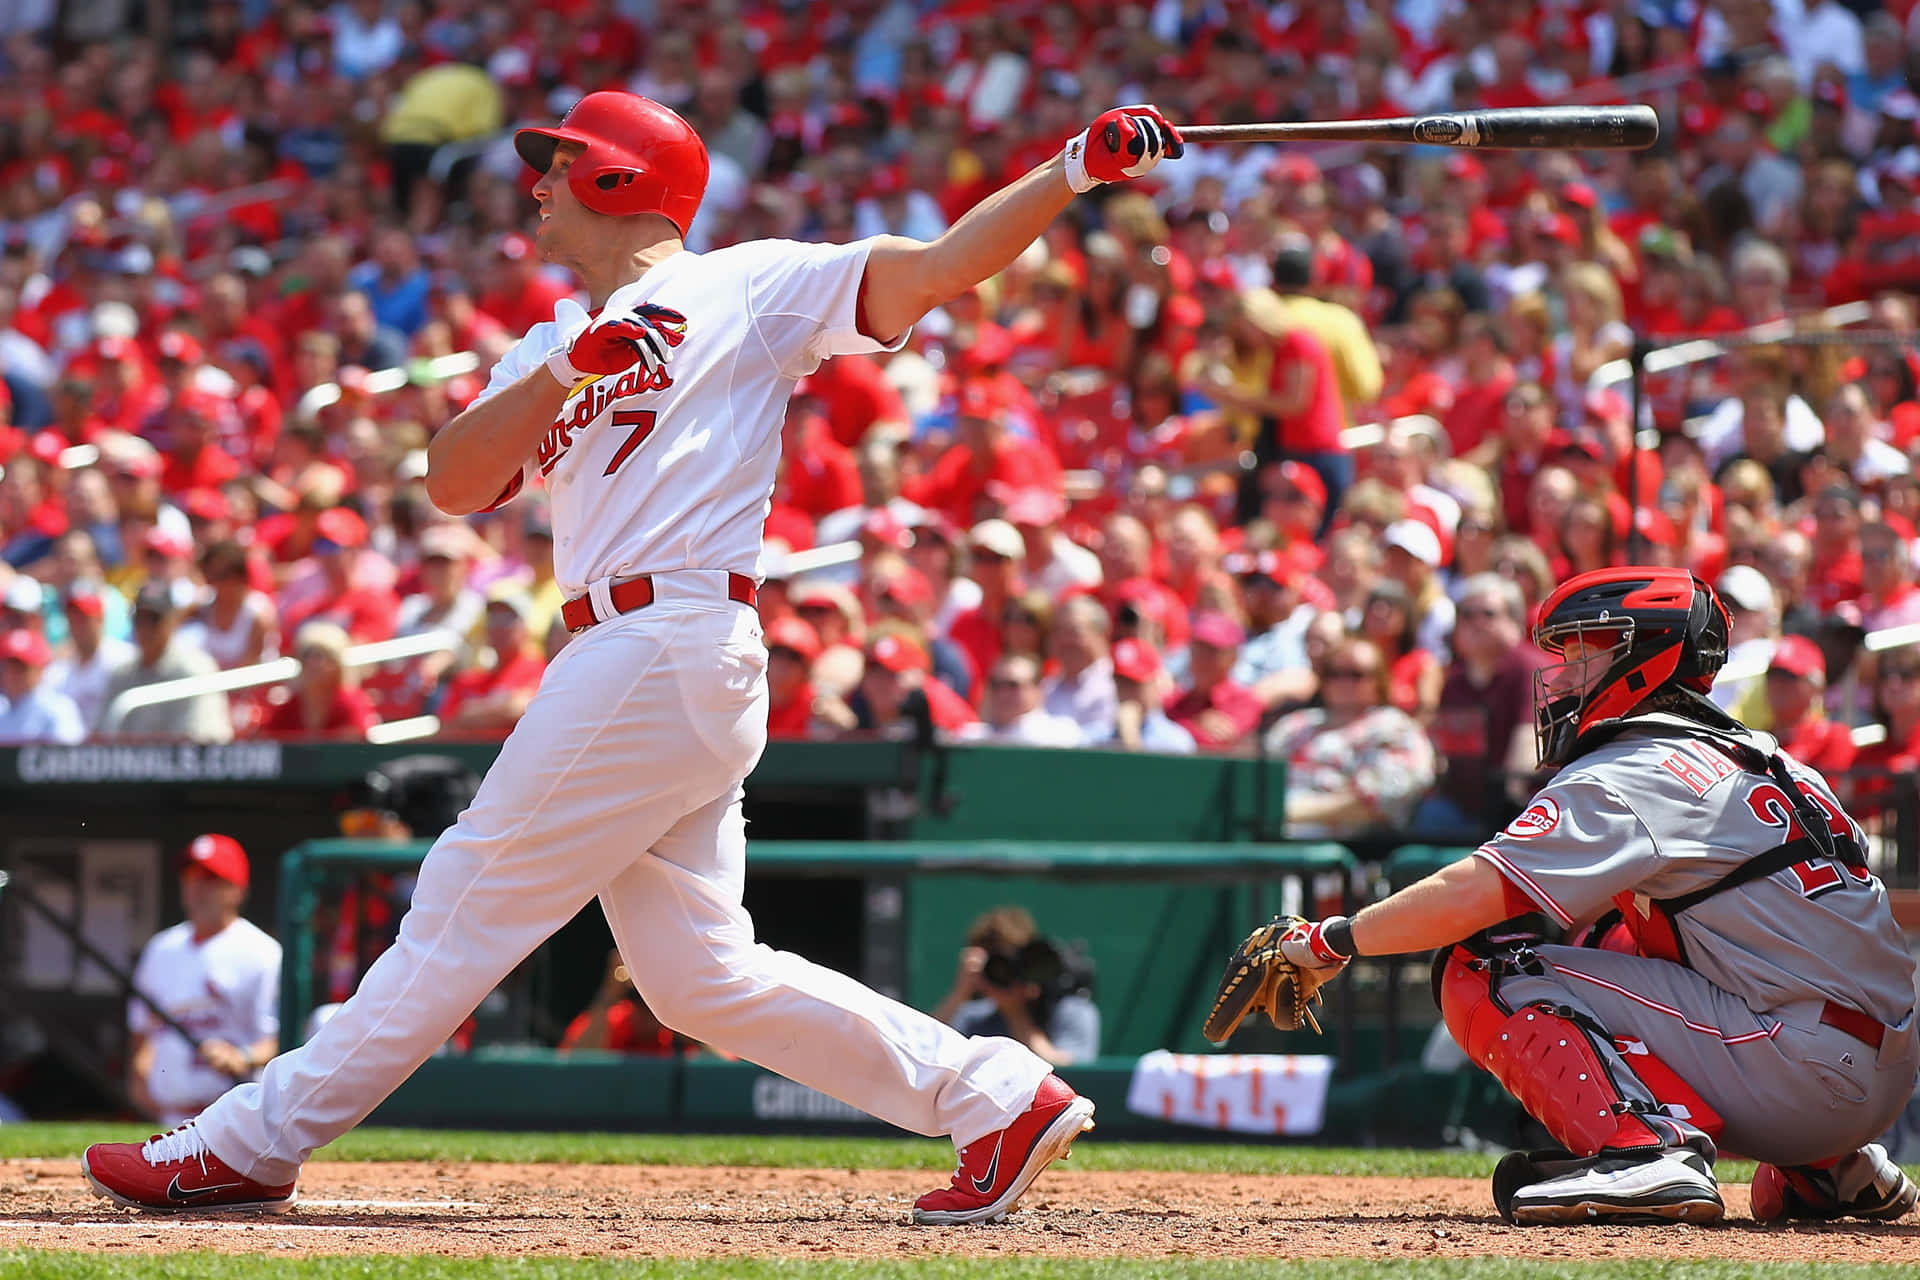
[1447, 131]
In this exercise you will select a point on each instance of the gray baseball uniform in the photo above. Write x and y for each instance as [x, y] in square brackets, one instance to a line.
[1766, 997]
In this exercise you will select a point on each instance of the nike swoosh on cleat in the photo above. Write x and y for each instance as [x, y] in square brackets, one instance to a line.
[176, 1192]
[983, 1185]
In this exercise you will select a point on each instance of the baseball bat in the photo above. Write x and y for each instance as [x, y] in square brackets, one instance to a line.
[1617, 127]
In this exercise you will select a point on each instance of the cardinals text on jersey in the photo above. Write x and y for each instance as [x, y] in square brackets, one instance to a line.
[588, 403]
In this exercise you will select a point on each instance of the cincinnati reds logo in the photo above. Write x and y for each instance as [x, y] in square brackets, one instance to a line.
[589, 403]
[1542, 816]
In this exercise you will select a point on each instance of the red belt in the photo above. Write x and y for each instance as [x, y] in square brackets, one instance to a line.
[1855, 1023]
[637, 593]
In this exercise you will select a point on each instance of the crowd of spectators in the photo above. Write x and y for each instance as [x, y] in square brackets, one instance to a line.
[1121, 494]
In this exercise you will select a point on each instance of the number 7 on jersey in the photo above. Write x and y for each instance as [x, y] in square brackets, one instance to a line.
[641, 420]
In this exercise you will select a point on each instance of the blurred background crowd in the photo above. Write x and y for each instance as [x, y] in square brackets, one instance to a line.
[1275, 452]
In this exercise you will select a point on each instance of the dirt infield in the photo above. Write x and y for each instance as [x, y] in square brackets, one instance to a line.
[636, 1211]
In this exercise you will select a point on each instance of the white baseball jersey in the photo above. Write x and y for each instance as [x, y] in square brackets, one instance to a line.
[226, 988]
[624, 777]
[678, 473]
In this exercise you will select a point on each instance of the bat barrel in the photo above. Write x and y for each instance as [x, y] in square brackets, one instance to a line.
[1611, 128]
[1619, 127]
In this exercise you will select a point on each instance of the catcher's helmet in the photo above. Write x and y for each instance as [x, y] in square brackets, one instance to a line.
[640, 157]
[1638, 630]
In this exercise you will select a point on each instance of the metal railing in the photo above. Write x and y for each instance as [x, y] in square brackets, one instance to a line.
[1365, 435]
[383, 381]
[795, 564]
[410, 729]
[1648, 357]
[1082, 484]
[276, 671]
[379, 382]
[1689, 351]
[1684, 352]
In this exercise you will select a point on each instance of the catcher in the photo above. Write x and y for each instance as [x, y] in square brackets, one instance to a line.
[1739, 978]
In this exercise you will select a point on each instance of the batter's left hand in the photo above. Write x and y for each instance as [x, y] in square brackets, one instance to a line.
[1123, 143]
[641, 336]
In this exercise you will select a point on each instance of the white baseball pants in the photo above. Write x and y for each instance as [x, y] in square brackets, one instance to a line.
[623, 780]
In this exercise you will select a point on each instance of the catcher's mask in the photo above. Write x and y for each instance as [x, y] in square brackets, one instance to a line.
[1622, 635]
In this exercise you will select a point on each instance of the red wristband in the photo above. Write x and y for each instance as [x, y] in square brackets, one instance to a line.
[1332, 939]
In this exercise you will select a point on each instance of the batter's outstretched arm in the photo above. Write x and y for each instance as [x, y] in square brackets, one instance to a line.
[480, 451]
[905, 279]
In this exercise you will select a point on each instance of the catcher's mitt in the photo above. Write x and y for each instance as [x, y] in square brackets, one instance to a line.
[1260, 977]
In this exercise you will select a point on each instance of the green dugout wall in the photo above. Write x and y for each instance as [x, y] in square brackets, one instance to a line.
[1155, 918]
[99, 826]
[872, 857]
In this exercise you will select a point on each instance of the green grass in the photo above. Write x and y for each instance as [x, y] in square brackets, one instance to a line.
[56, 1141]
[76, 1266]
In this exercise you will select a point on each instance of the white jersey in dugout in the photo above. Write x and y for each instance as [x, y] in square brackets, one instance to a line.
[648, 474]
[225, 988]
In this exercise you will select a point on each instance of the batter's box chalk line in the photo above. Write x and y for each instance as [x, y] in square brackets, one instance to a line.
[146, 1223]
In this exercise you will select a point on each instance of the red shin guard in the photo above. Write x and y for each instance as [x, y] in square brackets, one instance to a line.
[1552, 1067]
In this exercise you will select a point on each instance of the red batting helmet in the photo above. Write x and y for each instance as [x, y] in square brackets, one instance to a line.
[1641, 629]
[640, 157]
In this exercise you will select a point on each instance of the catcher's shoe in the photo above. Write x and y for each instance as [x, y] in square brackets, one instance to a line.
[175, 1173]
[1803, 1194]
[1654, 1185]
[996, 1170]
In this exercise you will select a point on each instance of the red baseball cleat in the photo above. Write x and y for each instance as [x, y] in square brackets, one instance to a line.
[996, 1170]
[174, 1173]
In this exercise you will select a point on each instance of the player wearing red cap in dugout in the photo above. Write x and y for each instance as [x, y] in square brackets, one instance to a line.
[214, 974]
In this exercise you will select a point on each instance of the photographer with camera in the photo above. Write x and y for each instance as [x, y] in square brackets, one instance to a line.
[1012, 982]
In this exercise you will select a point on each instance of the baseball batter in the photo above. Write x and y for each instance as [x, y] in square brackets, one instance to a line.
[1742, 983]
[654, 420]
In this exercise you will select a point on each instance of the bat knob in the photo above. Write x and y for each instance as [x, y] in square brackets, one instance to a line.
[1111, 136]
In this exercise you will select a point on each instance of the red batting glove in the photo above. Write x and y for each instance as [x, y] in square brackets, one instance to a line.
[641, 336]
[1123, 143]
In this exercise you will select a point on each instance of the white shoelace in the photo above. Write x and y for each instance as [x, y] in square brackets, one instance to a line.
[183, 1143]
